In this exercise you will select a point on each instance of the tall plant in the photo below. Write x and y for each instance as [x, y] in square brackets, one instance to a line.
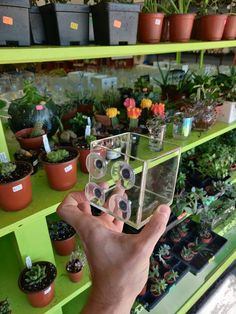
[175, 6]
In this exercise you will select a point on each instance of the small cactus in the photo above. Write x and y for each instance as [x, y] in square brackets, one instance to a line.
[37, 130]
[57, 155]
[159, 287]
[186, 253]
[171, 276]
[5, 307]
[35, 275]
[67, 136]
[6, 169]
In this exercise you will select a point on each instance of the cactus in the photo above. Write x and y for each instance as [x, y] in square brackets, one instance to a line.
[186, 253]
[37, 130]
[67, 136]
[5, 307]
[171, 276]
[154, 273]
[35, 275]
[159, 287]
[6, 168]
[57, 155]
[76, 262]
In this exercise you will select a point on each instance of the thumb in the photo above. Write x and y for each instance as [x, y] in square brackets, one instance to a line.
[154, 229]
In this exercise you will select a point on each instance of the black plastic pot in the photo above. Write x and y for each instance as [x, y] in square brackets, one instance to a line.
[36, 26]
[115, 23]
[66, 24]
[15, 28]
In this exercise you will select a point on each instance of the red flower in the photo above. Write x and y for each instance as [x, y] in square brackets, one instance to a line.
[158, 110]
[129, 103]
[134, 113]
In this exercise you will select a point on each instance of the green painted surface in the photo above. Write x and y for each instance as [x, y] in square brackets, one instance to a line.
[43, 54]
[3, 144]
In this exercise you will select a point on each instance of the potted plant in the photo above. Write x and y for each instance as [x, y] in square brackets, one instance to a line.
[84, 150]
[171, 276]
[66, 24]
[32, 108]
[164, 254]
[175, 235]
[63, 237]
[158, 288]
[186, 254]
[183, 229]
[150, 23]
[154, 273]
[38, 283]
[61, 167]
[31, 138]
[230, 26]
[205, 234]
[112, 114]
[15, 185]
[181, 22]
[28, 156]
[5, 307]
[78, 124]
[196, 246]
[75, 266]
[115, 23]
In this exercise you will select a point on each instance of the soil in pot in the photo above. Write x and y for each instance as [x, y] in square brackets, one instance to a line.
[230, 28]
[62, 175]
[39, 294]
[75, 270]
[181, 27]
[27, 142]
[150, 27]
[16, 189]
[212, 26]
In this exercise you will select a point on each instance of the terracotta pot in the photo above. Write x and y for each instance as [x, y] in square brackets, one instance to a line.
[150, 27]
[34, 143]
[86, 109]
[212, 26]
[65, 247]
[191, 245]
[181, 27]
[61, 176]
[40, 298]
[103, 119]
[83, 153]
[176, 240]
[168, 281]
[206, 240]
[187, 259]
[17, 195]
[230, 28]
[75, 277]
[165, 34]
[182, 233]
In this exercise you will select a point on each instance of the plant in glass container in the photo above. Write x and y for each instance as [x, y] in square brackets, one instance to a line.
[181, 21]
[158, 287]
[150, 23]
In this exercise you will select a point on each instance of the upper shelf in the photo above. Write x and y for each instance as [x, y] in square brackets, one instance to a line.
[10, 55]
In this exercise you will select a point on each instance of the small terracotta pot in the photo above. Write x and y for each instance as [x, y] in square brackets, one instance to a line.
[34, 143]
[230, 28]
[165, 34]
[83, 153]
[212, 26]
[168, 281]
[206, 240]
[176, 240]
[75, 277]
[167, 257]
[67, 116]
[61, 176]
[181, 27]
[103, 119]
[16, 195]
[40, 298]
[191, 245]
[150, 27]
[187, 259]
[65, 247]
[86, 109]
[182, 233]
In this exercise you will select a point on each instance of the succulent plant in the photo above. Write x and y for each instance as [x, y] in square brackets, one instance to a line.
[5, 307]
[37, 130]
[158, 287]
[35, 274]
[7, 168]
[164, 250]
[186, 253]
[171, 276]
[197, 246]
[183, 227]
[76, 262]
[57, 155]
[154, 273]
[60, 230]
[175, 235]
[67, 136]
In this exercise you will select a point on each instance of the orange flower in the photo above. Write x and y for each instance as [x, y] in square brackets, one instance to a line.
[146, 103]
[158, 110]
[134, 113]
[129, 103]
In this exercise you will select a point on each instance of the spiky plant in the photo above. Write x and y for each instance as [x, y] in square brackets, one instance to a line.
[7, 168]
[37, 130]
[57, 155]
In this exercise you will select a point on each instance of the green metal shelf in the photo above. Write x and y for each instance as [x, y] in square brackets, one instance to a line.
[45, 54]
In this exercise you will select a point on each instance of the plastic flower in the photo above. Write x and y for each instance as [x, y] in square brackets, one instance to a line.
[129, 103]
[112, 112]
[146, 103]
[134, 113]
[158, 110]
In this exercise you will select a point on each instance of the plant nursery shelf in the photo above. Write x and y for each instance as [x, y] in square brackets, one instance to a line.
[45, 54]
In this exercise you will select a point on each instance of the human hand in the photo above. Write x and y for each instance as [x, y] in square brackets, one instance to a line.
[118, 262]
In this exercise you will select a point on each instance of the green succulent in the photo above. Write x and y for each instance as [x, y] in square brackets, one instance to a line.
[159, 287]
[154, 272]
[7, 168]
[57, 155]
[35, 275]
[183, 227]
[172, 275]
[5, 307]
[186, 252]
[37, 130]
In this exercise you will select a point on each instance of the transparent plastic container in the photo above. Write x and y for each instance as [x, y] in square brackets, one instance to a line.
[148, 177]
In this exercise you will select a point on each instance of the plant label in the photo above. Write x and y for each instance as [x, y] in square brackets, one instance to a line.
[47, 290]
[181, 215]
[35, 162]
[46, 143]
[7, 20]
[68, 168]
[87, 131]
[3, 157]
[157, 22]
[117, 24]
[74, 25]
[17, 188]
[28, 262]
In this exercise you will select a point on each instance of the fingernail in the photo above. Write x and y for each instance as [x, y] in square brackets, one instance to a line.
[162, 209]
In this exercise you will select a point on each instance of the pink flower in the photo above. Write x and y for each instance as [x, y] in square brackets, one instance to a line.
[158, 110]
[129, 103]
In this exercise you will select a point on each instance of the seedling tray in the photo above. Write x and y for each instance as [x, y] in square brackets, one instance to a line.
[148, 300]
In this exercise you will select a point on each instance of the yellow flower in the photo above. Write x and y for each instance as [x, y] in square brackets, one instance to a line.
[112, 112]
[146, 103]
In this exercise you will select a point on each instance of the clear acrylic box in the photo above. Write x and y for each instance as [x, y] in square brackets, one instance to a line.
[148, 177]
